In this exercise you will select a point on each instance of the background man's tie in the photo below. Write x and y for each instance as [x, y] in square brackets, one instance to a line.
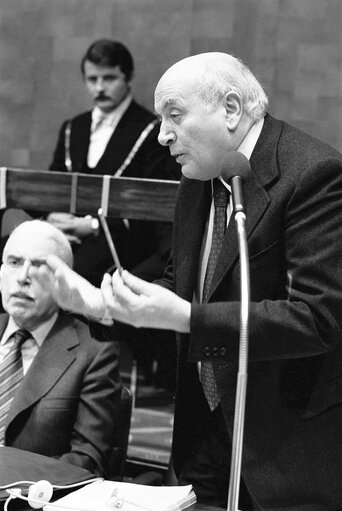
[11, 374]
[221, 198]
[98, 121]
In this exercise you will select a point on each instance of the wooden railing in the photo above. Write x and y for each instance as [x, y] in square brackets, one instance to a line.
[140, 199]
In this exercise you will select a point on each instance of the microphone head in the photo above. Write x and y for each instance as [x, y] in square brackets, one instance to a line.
[236, 164]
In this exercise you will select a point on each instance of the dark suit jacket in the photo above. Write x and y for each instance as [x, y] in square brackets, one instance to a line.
[292, 454]
[145, 247]
[66, 406]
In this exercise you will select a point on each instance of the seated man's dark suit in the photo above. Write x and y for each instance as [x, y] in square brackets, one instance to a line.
[292, 453]
[67, 404]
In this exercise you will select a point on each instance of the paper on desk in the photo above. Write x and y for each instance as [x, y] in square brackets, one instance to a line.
[134, 497]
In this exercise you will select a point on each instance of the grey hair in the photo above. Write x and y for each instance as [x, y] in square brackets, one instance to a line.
[42, 228]
[222, 73]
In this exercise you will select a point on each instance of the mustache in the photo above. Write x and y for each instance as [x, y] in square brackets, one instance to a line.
[21, 294]
[101, 96]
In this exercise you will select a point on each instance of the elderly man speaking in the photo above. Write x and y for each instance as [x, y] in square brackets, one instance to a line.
[209, 105]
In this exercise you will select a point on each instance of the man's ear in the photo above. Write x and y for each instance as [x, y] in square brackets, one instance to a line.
[1, 274]
[234, 110]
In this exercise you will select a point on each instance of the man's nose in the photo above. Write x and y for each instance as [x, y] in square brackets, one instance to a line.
[99, 85]
[23, 273]
[166, 137]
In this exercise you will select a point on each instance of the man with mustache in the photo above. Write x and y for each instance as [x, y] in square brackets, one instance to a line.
[60, 388]
[118, 137]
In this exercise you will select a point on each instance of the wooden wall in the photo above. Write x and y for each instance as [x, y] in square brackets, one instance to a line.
[293, 47]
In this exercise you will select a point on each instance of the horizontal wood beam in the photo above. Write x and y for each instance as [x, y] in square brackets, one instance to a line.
[121, 197]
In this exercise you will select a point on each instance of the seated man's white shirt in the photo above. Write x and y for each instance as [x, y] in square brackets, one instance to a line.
[102, 128]
[30, 347]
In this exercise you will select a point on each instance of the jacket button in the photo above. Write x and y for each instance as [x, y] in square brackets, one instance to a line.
[207, 351]
[215, 351]
[223, 351]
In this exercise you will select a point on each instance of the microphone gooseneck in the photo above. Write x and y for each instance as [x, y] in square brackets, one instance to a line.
[236, 172]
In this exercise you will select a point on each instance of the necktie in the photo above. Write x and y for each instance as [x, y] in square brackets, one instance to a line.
[98, 121]
[221, 198]
[11, 373]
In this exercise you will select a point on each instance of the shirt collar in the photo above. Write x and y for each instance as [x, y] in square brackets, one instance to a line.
[249, 142]
[39, 334]
[110, 118]
[247, 146]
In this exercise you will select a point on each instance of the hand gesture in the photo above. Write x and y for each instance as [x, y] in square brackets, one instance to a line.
[71, 291]
[139, 303]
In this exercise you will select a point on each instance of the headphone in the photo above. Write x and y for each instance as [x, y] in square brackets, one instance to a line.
[40, 493]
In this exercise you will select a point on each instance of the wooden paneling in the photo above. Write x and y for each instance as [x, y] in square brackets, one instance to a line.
[141, 199]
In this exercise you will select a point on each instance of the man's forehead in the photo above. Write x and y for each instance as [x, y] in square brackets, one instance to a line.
[173, 90]
[97, 69]
[162, 103]
[188, 73]
[23, 244]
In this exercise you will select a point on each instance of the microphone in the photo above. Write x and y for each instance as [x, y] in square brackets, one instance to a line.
[236, 171]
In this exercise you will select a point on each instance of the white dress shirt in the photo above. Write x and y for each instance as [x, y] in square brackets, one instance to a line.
[102, 128]
[30, 347]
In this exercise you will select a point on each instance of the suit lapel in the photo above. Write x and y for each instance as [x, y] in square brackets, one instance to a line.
[264, 170]
[257, 200]
[130, 126]
[193, 204]
[123, 139]
[79, 141]
[118, 145]
[3, 323]
[51, 361]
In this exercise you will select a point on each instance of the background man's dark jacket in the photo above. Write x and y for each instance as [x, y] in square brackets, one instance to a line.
[143, 248]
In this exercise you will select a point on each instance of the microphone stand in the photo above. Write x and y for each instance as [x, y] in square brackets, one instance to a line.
[240, 398]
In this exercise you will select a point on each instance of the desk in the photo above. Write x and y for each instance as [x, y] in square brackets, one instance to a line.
[23, 506]
[20, 465]
[16, 465]
[204, 507]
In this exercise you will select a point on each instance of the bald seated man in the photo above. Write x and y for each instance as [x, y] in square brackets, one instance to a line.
[67, 388]
[211, 105]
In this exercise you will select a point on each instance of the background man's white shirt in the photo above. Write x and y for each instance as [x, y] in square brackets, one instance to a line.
[102, 128]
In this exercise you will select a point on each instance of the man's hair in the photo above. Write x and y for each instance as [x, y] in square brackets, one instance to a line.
[106, 52]
[42, 228]
[224, 73]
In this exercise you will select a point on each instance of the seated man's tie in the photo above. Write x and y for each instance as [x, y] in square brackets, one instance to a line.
[11, 374]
